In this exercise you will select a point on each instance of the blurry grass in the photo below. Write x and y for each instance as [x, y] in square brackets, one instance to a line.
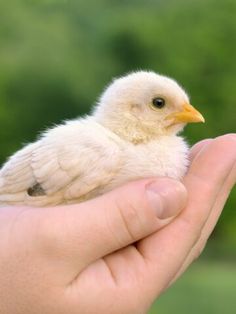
[207, 288]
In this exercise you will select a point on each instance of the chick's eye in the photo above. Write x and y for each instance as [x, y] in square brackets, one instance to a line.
[158, 103]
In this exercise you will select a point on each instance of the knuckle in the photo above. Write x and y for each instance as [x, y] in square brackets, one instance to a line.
[133, 220]
[130, 220]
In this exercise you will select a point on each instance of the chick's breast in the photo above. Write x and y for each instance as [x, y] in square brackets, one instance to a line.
[167, 156]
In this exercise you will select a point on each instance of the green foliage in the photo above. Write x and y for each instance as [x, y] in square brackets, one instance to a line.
[207, 288]
[56, 57]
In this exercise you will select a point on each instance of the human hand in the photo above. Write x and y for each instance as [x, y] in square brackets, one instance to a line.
[105, 255]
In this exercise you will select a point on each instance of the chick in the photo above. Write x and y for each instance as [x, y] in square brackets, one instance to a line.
[131, 134]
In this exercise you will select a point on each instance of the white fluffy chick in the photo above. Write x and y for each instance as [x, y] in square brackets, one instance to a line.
[131, 134]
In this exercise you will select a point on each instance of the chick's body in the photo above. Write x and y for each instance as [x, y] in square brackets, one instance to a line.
[86, 157]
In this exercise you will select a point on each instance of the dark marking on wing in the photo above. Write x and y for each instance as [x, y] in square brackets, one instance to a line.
[36, 190]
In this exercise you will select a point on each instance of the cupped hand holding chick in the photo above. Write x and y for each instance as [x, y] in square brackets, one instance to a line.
[112, 254]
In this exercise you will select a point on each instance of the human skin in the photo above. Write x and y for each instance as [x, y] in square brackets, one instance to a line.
[117, 253]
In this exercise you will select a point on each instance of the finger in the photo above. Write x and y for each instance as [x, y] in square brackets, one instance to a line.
[167, 250]
[210, 224]
[80, 234]
[198, 147]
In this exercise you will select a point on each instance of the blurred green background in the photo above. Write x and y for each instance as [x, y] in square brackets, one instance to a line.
[56, 56]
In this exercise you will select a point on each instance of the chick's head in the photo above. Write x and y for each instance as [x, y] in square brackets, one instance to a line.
[144, 105]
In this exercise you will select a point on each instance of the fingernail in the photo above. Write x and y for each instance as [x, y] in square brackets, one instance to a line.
[167, 197]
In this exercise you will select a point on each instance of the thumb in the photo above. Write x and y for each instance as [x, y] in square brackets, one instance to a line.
[88, 231]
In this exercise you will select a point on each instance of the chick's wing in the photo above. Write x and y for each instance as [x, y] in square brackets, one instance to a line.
[60, 166]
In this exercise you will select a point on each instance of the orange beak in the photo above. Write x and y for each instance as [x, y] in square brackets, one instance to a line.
[188, 115]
